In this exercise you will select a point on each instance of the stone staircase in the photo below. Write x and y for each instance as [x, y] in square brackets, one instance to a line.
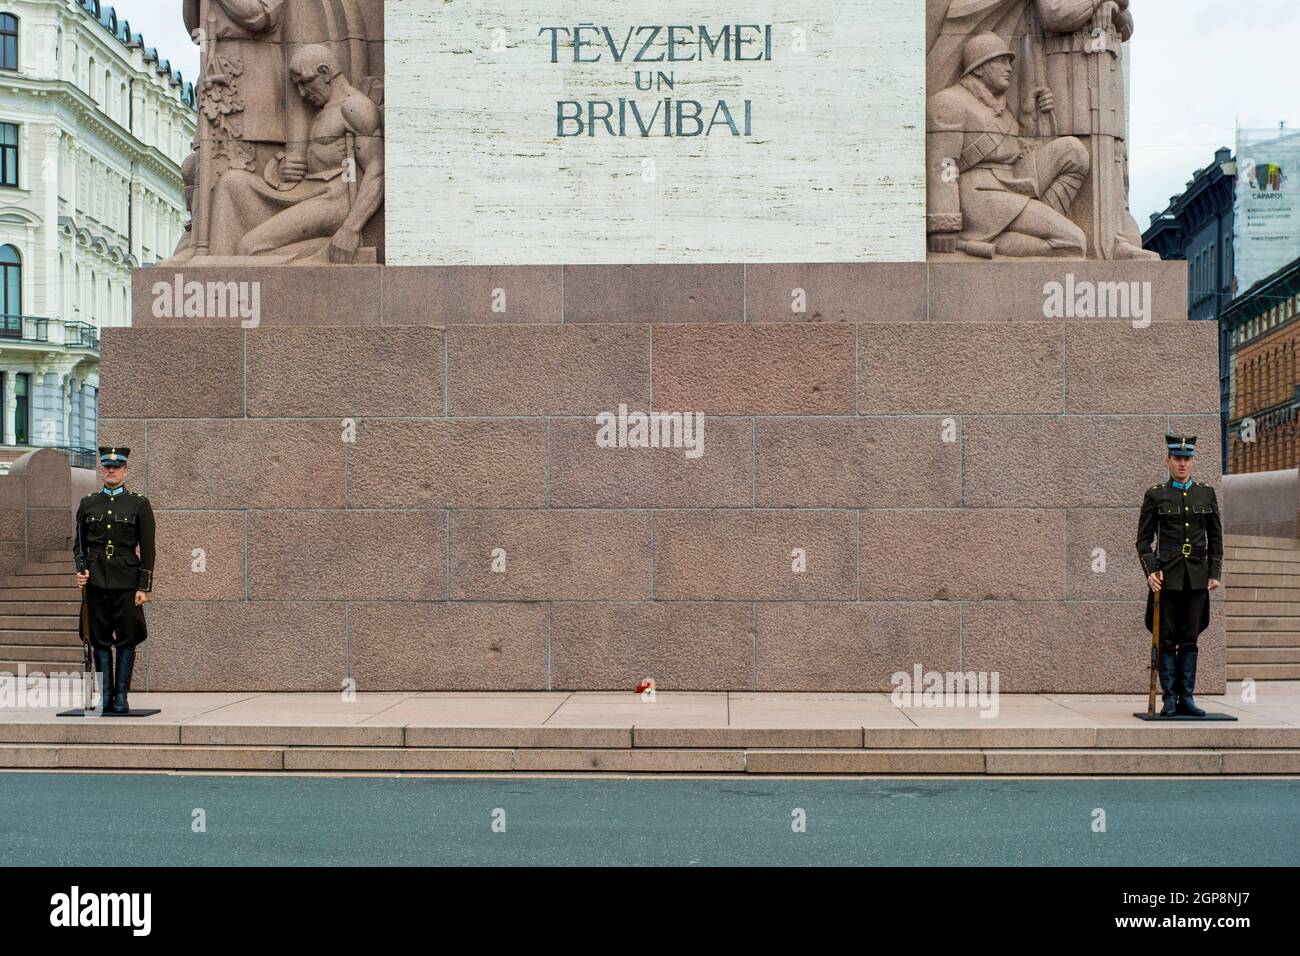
[1263, 605]
[1112, 745]
[39, 607]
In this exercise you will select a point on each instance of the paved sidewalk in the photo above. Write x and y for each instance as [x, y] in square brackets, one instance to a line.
[1276, 704]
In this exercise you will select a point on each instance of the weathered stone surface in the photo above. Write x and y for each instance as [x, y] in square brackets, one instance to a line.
[960, 368]
[585, 475]
[962, 555]
[678, 646]
[299, 373]
[347, 555]
[767, 369]
[550, 555]
[401, 645]
[216, 572]
[448, 464]
[547, 370]
[654, 293]
[1066, 461]
[477, 295]
[836, 292]
[852, 647]
[1108, 368]
[204, 373]
[856, 463]
[235, 645]
[296, 464]
[752, 555]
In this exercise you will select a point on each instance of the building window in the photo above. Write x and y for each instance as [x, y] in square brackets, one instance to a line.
[8, 154]
[8, 41]
[22, 408]
[11, 292]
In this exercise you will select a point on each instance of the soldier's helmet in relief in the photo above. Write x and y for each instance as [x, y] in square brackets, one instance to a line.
[1181, 446]
[980, 49]
[113, 455]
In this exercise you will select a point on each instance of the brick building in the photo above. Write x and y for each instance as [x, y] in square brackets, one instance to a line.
[1264, 434]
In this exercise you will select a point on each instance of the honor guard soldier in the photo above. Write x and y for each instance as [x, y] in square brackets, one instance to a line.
[111, 524]
[1185, 566]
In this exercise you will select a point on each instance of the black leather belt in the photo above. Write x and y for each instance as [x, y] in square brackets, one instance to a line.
[1187, 551]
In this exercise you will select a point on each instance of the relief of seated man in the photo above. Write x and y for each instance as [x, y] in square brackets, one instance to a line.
[312, 209]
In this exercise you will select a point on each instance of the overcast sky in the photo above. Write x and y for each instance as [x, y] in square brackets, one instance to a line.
[1199, 68]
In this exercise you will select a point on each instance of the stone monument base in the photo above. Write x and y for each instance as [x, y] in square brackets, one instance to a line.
[393, 475]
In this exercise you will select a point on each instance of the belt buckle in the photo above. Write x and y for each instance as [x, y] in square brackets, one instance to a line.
[108, 551]
[1187, 550]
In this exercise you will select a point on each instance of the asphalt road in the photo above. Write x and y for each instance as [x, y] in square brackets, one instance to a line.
[121, 819]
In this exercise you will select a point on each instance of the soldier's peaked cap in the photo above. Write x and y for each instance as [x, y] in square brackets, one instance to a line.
[981, 48]
[1181, 446]
[113, 455]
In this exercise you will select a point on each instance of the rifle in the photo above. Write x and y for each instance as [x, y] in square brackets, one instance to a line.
[1155, 654]
[83, 629]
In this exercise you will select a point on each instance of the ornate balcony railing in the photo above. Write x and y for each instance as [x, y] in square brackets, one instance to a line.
[36, 329]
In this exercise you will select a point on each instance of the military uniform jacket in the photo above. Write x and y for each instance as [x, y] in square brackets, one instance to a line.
[109, 530]
[1188, 533]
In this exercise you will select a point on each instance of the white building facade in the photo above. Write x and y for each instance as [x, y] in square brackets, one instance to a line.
[94, 126]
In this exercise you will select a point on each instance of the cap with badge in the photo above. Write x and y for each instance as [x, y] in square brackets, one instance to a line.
[113, 456]
[1181, 446]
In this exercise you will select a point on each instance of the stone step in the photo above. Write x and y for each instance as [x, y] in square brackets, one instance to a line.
[57, 610]
[1286, 595]
[38, 581]
[1245, 622]
[48, 567]
[1256, 580]
[1264, 671]
[1014, 762]
[1257, 541]
[1261, 567]
[45, 636]
[52, 557]
[1287, 556]
[1263, 655]
[1134, 736]
[52, 651]
[72, 593]
[39, 622]
[10, 664]
[1271, 609]
[1263, 638]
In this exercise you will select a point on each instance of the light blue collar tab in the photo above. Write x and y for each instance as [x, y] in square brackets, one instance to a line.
[1180, 486]
[114, 492]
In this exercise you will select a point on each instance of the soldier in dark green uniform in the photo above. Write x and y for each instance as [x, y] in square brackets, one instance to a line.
[1185, 567]
[111, 524]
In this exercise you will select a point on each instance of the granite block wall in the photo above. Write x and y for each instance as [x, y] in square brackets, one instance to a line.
[391, 474]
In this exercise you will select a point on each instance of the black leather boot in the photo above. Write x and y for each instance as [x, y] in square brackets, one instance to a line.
[1165, 666]
[104, 676]
[125, 665]
[1186, 682]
